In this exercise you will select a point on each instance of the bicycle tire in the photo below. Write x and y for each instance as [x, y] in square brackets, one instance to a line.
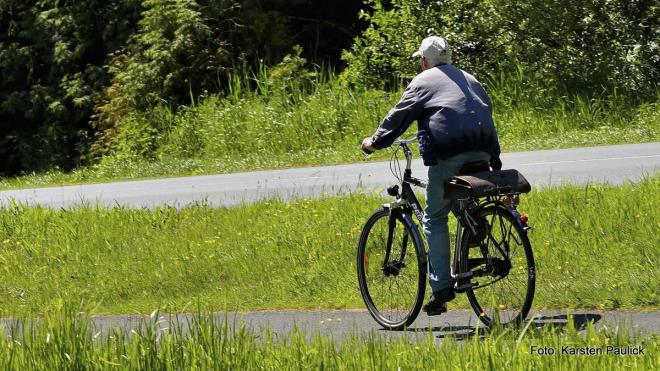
[496, 302]
[398, 309]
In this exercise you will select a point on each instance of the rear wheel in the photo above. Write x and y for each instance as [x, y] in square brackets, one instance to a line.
[391, 268]
[503, 267]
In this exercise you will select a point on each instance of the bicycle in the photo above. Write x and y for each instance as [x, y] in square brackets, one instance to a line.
[392, 257]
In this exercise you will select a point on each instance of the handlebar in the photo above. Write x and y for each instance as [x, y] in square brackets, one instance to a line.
[402, 142]
[407, 177]
[407, 174]
[406, 151]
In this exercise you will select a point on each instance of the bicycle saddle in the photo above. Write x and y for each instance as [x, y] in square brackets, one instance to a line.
[486, 183]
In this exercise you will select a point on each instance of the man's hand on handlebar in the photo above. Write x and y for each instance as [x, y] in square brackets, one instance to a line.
[366, 146]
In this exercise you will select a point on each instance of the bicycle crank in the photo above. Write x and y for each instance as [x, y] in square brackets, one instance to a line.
[500, 267]
[393, 268]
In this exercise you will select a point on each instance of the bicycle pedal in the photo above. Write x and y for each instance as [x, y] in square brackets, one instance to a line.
[462, 287]
[464, 275]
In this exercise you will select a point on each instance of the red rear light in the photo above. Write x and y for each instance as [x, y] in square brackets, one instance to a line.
[523, 218]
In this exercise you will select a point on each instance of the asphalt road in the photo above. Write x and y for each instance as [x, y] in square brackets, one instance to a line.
[613, 164]
[338, 325]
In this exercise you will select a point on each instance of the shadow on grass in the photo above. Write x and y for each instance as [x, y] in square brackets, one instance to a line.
[580, 322]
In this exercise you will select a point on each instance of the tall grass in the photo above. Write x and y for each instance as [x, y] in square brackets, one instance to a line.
[290, 116]
[300, 119]
[529, 114]
[595, 247]
[68, 341]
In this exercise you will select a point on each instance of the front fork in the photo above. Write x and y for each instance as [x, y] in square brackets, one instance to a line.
[391, 225]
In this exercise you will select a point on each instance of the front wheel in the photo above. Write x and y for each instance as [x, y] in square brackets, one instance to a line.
[503, 266]
[391, 267]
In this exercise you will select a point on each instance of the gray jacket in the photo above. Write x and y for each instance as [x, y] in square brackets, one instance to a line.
[453, 114]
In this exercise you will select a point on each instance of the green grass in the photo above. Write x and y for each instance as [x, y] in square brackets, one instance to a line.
[69, 342]
[595, 247]
[303, 121]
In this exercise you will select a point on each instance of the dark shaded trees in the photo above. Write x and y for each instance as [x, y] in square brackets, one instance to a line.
[52, 55]
[69, 70]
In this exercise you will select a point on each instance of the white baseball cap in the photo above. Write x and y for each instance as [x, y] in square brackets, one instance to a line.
[434, 49]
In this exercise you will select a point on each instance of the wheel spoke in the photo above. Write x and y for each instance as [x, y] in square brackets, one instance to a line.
[506, 295]
[394, 289]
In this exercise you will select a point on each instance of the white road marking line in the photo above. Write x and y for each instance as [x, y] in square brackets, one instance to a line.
[585, 160]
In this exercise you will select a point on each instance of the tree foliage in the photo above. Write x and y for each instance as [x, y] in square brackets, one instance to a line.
[172, 57]
[71, 71]
[578, 44]
[51, 74]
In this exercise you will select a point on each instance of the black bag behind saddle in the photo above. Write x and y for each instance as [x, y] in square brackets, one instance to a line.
[474, 180]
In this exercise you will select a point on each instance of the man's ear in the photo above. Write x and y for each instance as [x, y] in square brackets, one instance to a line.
[425, 63]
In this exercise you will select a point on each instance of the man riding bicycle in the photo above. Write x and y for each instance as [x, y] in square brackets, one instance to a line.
[455, 123]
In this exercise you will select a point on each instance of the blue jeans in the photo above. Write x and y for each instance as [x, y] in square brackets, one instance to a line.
[436, 217]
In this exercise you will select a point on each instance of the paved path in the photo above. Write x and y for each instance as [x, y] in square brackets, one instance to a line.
[340, 324]
[613, 164]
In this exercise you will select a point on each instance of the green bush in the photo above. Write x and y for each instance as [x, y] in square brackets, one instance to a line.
[578, 45]
[173, 53]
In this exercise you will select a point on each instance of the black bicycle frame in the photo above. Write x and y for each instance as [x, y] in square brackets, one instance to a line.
[408, 194]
